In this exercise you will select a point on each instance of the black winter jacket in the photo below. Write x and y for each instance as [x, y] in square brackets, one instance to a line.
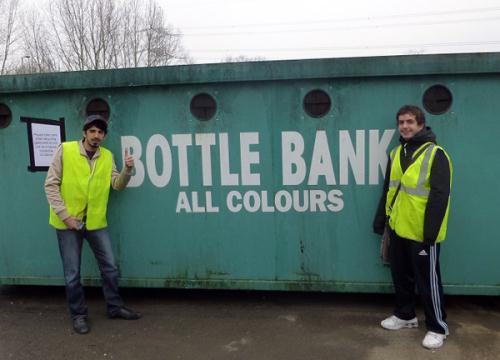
[439, 181]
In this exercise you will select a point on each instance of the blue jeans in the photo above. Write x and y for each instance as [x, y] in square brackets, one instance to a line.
[70, 248]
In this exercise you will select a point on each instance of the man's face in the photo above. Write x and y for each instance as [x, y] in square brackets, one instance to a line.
[94, 136]
[408, 126]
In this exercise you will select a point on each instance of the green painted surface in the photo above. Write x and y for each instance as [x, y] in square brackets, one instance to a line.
[261, 103]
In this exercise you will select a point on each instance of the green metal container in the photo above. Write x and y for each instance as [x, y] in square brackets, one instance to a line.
[277, 190]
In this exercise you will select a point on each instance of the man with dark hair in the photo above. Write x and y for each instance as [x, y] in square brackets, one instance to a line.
[77, 188]
[413, 110]
[416, 201]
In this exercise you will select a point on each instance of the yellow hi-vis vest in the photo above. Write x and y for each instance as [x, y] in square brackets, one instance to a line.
[85, 191]
[408, 212]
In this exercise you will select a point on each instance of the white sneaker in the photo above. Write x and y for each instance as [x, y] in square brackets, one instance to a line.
[395, 323]
[433, 340]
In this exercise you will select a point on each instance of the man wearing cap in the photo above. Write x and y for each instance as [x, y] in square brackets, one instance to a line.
[77, 189]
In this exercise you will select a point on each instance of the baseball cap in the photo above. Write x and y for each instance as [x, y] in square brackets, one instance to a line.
[96, 120]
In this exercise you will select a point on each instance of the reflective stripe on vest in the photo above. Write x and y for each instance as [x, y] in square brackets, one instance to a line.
[408, 212]
[85, 191]
[419, 189]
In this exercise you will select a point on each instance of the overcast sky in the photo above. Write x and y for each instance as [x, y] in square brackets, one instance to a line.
[299, 29]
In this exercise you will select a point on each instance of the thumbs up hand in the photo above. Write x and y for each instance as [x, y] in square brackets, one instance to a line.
[128, 159]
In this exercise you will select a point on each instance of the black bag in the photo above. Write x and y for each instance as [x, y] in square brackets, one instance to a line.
[384, 244]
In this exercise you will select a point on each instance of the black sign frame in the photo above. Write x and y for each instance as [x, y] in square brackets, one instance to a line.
[33, 167]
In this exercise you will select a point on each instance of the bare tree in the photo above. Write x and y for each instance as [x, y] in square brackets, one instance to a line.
[85, 32]
[161, 44]
[130, 53]
[147, 40]
[37, 48]
[98, 34]
[104, 34]
[8, 36]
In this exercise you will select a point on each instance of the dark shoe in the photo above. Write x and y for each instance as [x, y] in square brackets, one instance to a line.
[81, 326]
[124, 313]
